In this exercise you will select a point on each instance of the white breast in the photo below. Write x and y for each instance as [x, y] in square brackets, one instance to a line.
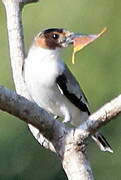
[43, 66]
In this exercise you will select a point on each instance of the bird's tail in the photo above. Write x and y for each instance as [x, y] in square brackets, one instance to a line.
[101, 142]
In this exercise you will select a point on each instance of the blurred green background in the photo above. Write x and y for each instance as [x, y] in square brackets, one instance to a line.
[98, 69]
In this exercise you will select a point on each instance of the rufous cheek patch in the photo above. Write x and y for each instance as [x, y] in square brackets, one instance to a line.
[40, 42]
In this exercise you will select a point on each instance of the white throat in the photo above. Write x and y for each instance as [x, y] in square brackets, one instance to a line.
[43, 53]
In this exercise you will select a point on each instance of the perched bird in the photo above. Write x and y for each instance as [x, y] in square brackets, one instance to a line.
[52, 85]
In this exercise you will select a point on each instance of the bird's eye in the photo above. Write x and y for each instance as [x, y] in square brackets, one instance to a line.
[55, 36]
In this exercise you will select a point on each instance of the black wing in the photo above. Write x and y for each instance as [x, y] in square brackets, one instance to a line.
[71, 89]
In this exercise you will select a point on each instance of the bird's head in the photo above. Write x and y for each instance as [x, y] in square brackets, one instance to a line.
[54, 38]
[60, 38]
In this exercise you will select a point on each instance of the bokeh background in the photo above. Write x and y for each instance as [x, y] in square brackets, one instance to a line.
[97, 68]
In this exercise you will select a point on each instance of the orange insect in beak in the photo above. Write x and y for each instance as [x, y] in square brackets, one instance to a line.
[80, 41]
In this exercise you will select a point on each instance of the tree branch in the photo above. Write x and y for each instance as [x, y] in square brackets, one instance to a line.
[99, 118]
[68, 143]
[103, 115]
[61, 137]
[16, 43]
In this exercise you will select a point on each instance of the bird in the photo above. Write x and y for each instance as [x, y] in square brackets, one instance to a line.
[52, 85]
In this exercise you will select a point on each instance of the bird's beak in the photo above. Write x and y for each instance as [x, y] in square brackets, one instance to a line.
[82, 40]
